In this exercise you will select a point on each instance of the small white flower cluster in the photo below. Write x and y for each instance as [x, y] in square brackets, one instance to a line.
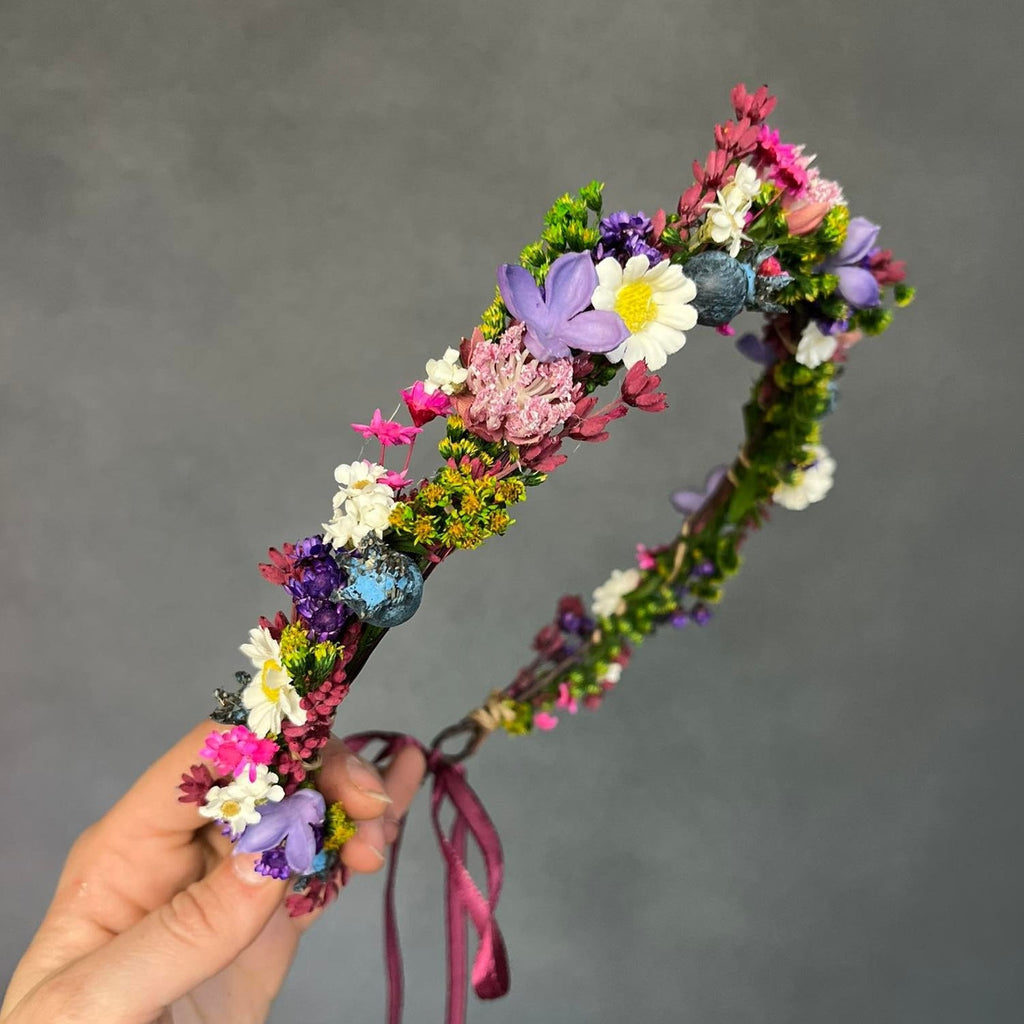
[815, 348]
[445, 374]
[608, 598]
[362, 505]
[728, 217]
[811, 483]
[237, 804]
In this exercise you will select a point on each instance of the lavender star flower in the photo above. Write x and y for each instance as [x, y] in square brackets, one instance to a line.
[553, 315]
[857, 284]
[292, 820]
[687, 502]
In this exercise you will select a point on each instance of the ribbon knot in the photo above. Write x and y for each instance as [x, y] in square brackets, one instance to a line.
[464, 900]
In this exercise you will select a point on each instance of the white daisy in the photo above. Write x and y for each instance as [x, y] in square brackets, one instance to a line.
[810, 483]
[654, 303]
[445, 374]
[270, 697]
[236, 804]
[815, 348]
[608, 597]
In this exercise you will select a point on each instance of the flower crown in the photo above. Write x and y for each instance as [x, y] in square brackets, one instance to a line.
[595, 298]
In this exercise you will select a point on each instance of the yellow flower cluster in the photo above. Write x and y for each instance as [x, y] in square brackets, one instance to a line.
[338, 827]
[294, 648]
[463, 505]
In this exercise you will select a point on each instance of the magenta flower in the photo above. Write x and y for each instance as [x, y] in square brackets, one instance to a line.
[851, 265]
[554, 315]
[424, 407]
[291, 821]
[388, 432]
[545, 721]
[566, 699]
[238, 749]
[780, 162]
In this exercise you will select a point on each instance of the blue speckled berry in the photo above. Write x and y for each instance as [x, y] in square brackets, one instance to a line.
[724, 286]
[384, 587]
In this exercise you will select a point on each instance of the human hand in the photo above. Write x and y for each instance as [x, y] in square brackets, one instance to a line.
[154, 919]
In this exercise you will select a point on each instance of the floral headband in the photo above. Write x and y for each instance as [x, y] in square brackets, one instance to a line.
[595, 298]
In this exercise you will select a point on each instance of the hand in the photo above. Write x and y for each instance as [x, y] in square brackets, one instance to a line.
[155, 919]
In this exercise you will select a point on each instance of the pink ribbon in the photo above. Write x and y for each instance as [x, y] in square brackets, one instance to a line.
[465, 902]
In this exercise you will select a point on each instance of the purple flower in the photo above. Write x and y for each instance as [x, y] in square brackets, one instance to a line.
[325, 618]
[553, 315]
[754, 347]
[317, 572]
[292, 821]
[624, 235]
[857, 284]
[273, 863]
[687, 502]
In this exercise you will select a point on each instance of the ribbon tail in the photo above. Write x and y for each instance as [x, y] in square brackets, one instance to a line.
[392, 945]
[455, 914]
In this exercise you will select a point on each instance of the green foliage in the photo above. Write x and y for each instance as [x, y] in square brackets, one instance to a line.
[903, 294]
[871, 321]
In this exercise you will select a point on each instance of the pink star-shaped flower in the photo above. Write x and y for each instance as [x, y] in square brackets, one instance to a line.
[388, 432]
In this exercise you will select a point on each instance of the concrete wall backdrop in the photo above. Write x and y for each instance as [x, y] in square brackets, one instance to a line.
[229, 229]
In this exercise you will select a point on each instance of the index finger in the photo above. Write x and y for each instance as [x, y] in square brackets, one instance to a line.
[151, 807]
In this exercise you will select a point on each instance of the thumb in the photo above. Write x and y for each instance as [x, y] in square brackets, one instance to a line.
[171, 950]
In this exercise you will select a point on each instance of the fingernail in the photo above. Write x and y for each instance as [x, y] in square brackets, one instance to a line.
[365, 778]
[245, 868]
[391, 827]
[372, 835]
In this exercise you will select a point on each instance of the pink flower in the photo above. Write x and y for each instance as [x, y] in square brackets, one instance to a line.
[823, 190]
[511, 395]
[238, 749]
[566, 699]
[424, 407]
[644, 559]
[394, 479]
[542, 720]
[388, 432]
[803, 217]
[780, 162]
[757, 106]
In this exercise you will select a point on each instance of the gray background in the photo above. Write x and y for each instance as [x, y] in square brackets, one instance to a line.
[231, 228]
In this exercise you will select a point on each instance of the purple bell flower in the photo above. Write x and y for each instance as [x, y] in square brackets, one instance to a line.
[857, 285]
[292, 821]
[554, 315]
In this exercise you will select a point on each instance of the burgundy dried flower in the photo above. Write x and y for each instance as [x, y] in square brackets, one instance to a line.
[640, 389]
[196, 783]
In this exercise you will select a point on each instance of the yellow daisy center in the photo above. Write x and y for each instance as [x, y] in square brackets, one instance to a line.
[230, 808]
[270, 692]
[634, 302]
